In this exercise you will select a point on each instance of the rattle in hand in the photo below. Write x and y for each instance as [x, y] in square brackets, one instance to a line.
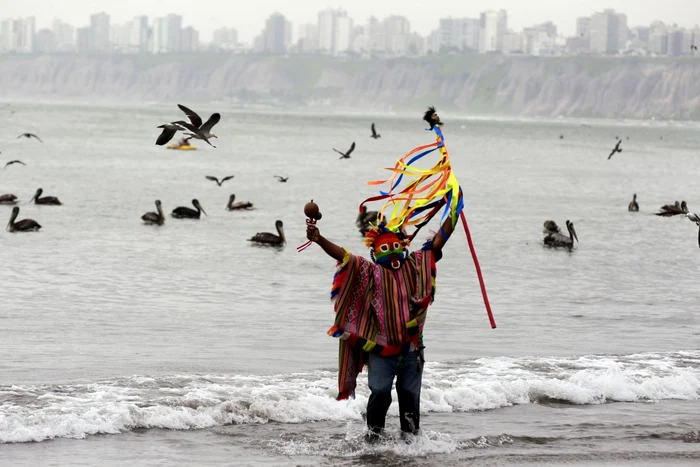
[313, 214]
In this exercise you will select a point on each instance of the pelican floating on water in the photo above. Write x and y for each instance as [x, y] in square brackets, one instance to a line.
[182, 212]
[633, 206]
[231, 206]
[556, 239]
[364, 218]
[154, 218]
[8, 199]
[550, 227]
[48, 200]
[25, 225]
[266, 238]
[673, 210]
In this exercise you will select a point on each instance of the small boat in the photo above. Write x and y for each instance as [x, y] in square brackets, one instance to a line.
[185, 147]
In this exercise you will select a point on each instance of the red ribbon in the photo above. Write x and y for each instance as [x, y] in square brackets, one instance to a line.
[303, 247]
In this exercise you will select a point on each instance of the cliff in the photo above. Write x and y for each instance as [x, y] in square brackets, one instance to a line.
[478, 84]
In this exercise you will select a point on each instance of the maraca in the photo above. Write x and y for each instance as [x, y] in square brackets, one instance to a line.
[311, 211]
[312, 214]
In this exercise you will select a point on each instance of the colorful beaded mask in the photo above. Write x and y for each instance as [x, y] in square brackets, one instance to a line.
[387, 248]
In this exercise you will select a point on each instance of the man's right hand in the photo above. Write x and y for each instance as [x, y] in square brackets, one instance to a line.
[312, 233]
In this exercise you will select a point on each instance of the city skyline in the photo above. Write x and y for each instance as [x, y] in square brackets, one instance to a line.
[423, 18]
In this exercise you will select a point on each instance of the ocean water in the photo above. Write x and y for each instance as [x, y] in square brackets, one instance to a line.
[125, 344]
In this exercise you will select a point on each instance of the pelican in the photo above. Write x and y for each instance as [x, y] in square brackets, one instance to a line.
[52, 200]
[673, 210]
[214, 179]
[196, 128]
[189, 213]
[346, 155]
[266, 238]
[633, 206]
[8, 199]
[25, 225]
[671, 207]
[154, 218]
[30, 135]
[374, 134]
[551, 227]
[557, 239]
[231, 206]
[364, 218]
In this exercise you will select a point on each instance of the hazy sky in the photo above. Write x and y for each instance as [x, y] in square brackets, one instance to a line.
[249, 16]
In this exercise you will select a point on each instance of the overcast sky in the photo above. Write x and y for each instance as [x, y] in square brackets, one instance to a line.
[249, 16]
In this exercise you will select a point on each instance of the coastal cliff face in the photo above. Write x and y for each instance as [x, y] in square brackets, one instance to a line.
[533, 86]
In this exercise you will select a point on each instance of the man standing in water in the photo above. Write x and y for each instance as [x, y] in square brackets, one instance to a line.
[380, 308]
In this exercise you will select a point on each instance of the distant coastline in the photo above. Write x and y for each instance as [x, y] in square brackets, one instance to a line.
[582, 86]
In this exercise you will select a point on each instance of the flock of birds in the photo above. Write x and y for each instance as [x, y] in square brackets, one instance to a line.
[554, 237]
[197, 129]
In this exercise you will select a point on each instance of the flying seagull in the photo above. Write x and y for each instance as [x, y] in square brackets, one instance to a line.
[375, 135]
[281, 179]
[30, 135]
[196, 128]
[346, 155]
[13, 162]
[214, 179]
[616, 149]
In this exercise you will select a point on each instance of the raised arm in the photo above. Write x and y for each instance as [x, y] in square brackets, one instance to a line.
[331, 249]
[442, 236]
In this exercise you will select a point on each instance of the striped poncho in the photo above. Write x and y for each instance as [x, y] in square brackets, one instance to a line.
[379, 310]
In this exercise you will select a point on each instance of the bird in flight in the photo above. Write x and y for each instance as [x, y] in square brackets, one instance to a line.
[374, 134]
[214, 179]
[13, 162]
[30, 135]
[346, 155]
[281, 179]
[616, 149]
[196, 128]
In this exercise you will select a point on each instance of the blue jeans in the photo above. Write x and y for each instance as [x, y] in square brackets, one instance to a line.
[382, 371]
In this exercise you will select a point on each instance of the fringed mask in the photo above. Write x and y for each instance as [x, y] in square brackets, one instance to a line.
[387, 248]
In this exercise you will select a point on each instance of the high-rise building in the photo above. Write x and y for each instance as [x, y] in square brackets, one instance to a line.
[459, 34]
[100, 29]
[493, 27]
[189, 41]
[64, 35]
[139, 33]
[334, 31]
[159, 36]
[44, 41]
[608, 34]
[225, 39]
[8, 35]
[308, 38]
[167, 34]
[174, 33]
[83, 40]
[583, 26]
[275, 34]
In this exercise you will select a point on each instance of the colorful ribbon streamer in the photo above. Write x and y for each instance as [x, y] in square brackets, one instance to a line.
[421, 199]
